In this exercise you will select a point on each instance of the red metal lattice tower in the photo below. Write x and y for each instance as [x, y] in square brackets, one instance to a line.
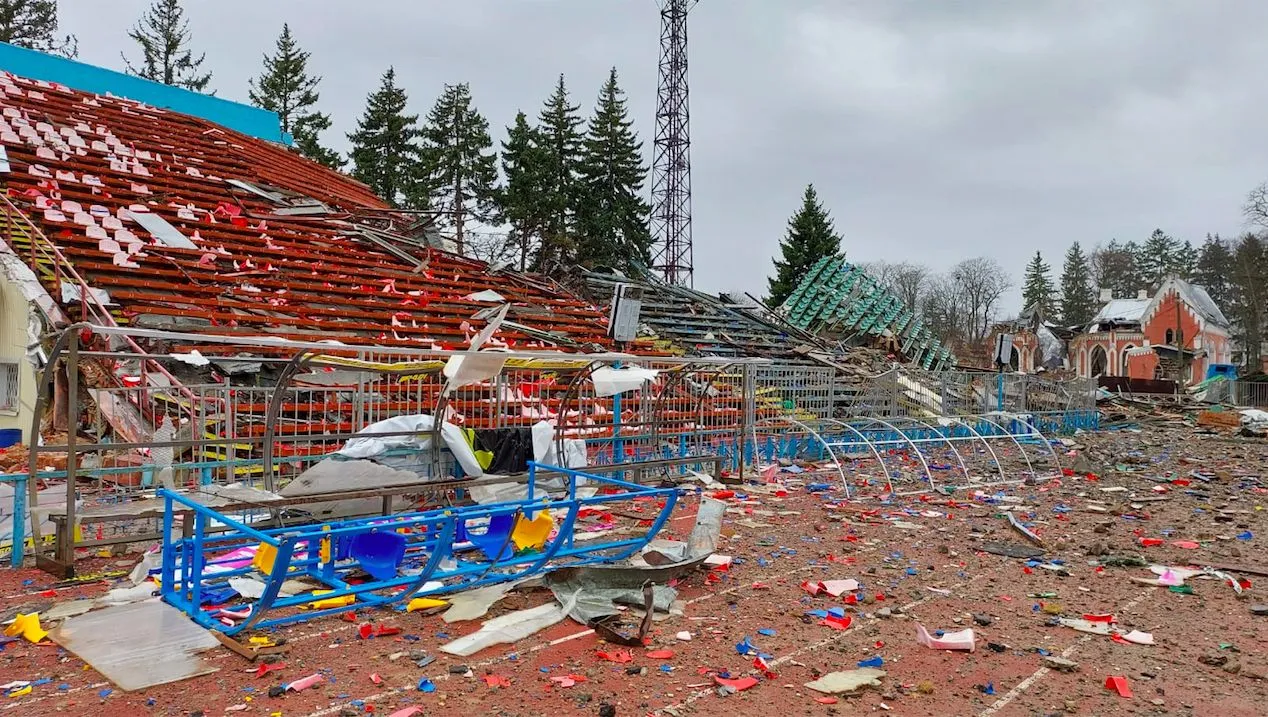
[671, 158]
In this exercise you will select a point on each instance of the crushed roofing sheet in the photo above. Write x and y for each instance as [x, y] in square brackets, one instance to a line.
[85, 167]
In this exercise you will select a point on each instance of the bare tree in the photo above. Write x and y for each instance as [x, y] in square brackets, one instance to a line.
[903, 279]
[1255, 210]
[980, 282]
[941, 307]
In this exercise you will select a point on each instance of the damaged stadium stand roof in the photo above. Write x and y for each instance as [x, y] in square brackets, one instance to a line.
[678, 319]
[840, 300]
[172, 221]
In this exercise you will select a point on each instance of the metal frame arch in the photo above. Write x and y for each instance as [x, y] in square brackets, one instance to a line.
[921, 456]
[959, 457]
[1034, 432]
[818, 437]
[998, 466]
[889, 482]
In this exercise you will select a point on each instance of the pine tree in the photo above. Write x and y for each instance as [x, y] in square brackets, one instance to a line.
[1038, 292]
[286, 88]
[385, 152]
[612, 215]
[1133, 276]
[524, 169]
[33, 24]
[459, 164]
[1214, 267]
[1157, 258]
[1184, 263]
[163, 34]
[1078, 298]
[560, 136]
[1112, 268]
[1250, 297]
[811, 236]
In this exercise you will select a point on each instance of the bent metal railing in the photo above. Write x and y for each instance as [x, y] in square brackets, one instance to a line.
[428, 553]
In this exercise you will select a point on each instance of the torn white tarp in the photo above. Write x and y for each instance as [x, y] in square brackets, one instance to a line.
[161, 230]
[1255, 419]
[511, 627]
[488, 295]
[611, 381]
[473, 367]
[72, 294]
[419, 427]
[546, 448]
[193, 358]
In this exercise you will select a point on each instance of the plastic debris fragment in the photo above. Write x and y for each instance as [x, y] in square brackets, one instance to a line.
[962, 640]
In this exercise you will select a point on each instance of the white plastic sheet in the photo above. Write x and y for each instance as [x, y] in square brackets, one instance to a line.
[420, 426]
[611, 381]
[510, 628]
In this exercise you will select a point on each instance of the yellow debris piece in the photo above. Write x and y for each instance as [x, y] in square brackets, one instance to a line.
[424, 604]
[28, 626]
[22, 692]
[263, 641]
[265, 555]
[333, 602]
[532, 533]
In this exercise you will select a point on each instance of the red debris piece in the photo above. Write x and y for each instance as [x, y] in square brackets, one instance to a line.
[739, 684]
[497, 681]
[1099, 618]
[1118, 683]
[661, 654]
[837, 623]
[1150, 542]
[565, 681]
[367, 631]
[265, 669]
[826, 700]
[374, 677]
[762, 666]
[619, 656]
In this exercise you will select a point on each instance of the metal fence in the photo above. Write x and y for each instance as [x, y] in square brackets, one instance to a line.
[911, 392]
[149, 429]
[1250, 394]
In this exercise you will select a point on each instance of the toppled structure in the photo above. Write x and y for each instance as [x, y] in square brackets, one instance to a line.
[841, 300]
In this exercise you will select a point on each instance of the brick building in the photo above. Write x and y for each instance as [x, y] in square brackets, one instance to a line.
[1178, 329]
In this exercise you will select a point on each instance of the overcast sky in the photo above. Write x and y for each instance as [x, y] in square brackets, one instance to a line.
[934, 130]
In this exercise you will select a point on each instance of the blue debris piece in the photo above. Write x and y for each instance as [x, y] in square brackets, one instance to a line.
[744, 647]
[426, 685]
[766, 631]
[1246, 536]
[872, 662]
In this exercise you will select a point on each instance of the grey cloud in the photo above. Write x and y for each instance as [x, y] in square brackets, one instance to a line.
[934, 130]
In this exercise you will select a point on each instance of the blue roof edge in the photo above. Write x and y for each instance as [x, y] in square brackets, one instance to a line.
[246, 119]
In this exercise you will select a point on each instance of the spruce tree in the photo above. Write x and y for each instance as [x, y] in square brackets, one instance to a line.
[1184, 262]
[1037, 291]
[385, 152]
[560, 138]
[459, 164]
[1078, 297]
[1157, 258]
[612, 214]
[810, 237]
[163, 34]
[33, 24]
[526, 182]
[285, 87]
[1250, 297]
[1112, 268]
[1214, 269]
[1133, 275]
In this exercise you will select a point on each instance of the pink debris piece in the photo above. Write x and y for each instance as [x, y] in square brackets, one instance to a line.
[962, 640]
[305, 682]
